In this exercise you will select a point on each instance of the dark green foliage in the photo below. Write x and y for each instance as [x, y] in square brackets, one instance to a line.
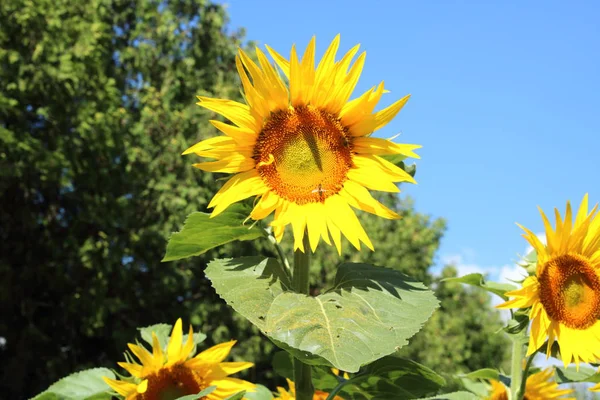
[97, 102]
[463, 336]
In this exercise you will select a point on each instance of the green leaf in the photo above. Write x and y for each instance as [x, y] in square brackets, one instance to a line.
[479, 281]
[162, 332]
[454, 396]
[237, 396]
[484, 373]
[248, 284]
[322, 377]
[394, 377]
[398, 160]
[201, 233]
[84, 385]
[261, 393]
[369, 313]
[196, 396]
[570, 374]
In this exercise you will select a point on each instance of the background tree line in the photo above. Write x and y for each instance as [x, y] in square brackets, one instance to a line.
[97, 102]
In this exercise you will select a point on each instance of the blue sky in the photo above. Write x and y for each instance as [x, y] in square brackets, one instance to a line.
[505, 101]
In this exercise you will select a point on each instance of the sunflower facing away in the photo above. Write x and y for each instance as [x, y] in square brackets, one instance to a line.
[291, 395]
[163, 376]
[539, 386]
[304, 149]
[564, 293]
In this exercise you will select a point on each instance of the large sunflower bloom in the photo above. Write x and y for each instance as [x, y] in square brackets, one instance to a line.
[305, 150]
[564, 293]
[174, 374]
[539, 386]
[291, 395]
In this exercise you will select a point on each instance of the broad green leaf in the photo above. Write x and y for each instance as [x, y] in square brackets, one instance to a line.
[197, 396]
[394, 377]
[201, 233]
[248, 284]
[570, 374]
[369, 313]
[454, 396]
[261, 393]
[84, 385]
[478, 280]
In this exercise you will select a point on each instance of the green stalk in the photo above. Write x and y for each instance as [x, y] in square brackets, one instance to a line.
[516, 369]
[521, 393]
[302, 372]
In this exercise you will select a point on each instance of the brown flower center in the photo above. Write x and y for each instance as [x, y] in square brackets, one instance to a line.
[171, 383]
[570, 291]
[303, 154]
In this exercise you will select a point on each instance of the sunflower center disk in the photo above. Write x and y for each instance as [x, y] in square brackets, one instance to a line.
[172, 383]
[303, 154]
[570, 291]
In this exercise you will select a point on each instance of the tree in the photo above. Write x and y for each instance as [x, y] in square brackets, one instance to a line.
[463, 336]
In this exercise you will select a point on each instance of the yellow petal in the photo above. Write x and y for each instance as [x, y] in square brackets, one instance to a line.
[174, 347]
[216, 353]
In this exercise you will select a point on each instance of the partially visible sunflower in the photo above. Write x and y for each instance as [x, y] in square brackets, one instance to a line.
[303, 149]
[539, 386]
[564, 293]
[178, 373]
[291, 395]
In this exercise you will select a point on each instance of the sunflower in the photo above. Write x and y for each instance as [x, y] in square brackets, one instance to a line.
[564, 293]
[539, 386]
[291, 395]
[595, 388]
[176, 373]
[304, 150]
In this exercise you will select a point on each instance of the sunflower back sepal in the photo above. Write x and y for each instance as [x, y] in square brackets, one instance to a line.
[479, 281]
[398, 160]
[201, 232]
[518, 323]
[83, 385]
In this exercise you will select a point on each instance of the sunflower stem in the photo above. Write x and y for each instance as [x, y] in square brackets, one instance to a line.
[302, 372]
[521, 392]
[516, 369]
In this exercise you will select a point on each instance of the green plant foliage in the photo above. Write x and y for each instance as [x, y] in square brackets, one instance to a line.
[261, 393]
[479, 280]
[454, 396]
[465, 334]
[390, 377]
[201, 232]
[84, 385]
[365, 301]
[573, 374]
